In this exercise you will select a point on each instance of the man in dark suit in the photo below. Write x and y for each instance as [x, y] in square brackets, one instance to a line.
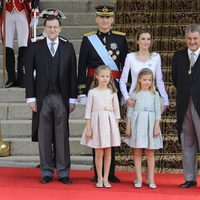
[186, 79]
[114, 46]
[51, 96]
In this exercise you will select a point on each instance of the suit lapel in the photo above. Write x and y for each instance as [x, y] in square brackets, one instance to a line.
[195, 69]
[44, 51]
[61, 57]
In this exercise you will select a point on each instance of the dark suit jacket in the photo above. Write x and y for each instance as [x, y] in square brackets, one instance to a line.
[37, 59]
[186, 85]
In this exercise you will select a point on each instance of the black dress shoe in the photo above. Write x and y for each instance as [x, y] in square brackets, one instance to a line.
[188, 184]
[65, 180]
[10, 84]
[21, 85]
[114, 179]
[38, 166]
[94, 179]
[46, 179]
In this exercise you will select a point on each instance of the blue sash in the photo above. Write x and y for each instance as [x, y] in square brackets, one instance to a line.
[102, 52]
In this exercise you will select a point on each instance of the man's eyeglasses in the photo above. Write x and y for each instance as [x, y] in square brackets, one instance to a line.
[52, 27]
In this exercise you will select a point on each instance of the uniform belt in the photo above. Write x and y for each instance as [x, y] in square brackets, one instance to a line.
[115, 74]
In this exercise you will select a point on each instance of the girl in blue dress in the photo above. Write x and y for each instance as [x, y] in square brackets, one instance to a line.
[143, 125]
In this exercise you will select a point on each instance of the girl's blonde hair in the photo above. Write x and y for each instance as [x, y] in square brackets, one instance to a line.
[142, 72]
[95, 82]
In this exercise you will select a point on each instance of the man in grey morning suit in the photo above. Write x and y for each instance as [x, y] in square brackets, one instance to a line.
[186, 79]
[51, 96]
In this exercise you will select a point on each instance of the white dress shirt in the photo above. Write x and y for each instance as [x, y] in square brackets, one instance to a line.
[134, 64]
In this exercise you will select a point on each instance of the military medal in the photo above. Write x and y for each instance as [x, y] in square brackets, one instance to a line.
[113, 46]
[110, 52]
[114, 57]
[104, 39]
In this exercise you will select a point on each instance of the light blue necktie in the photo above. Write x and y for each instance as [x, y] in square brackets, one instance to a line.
[52, 48]
[192, 59]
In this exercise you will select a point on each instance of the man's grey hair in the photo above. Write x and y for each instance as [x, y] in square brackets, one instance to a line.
[192, 28]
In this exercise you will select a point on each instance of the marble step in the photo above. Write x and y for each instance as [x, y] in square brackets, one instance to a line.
[25, 147]
[74, 6]
[77, 162]
[10, 95]
[21, 111]
[22, 128]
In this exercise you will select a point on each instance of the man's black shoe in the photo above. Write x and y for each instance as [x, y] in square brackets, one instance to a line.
[114, 179]
[188, 184]
[94, 179]
[65, 180]
[46, 179]
[20, 84]
[38, 166]
[10, 84]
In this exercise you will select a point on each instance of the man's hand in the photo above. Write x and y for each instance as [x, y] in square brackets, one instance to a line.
[72, 107]
[82, 99]
[33, 106]
[164, 108]
[33, 22]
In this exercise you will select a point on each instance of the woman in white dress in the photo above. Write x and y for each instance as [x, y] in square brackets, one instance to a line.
[143, 58]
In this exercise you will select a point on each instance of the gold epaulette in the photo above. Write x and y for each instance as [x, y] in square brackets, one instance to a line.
[90, 33]
[118, 33]
[81, 86]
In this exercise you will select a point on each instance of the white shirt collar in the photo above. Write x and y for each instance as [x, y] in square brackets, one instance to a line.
[56, 41]
[197, 52]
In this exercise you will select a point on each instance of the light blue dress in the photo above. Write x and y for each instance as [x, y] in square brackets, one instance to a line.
[143, 116]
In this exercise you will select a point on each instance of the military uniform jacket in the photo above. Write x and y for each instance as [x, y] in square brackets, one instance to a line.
[116, 45]
[186, 85]
[20, 5]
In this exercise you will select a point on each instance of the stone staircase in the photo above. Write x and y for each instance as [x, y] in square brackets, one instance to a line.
[15, 116]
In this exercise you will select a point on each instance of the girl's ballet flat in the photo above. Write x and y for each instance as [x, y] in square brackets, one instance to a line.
[99, 184]
[107, 185]
[137, 185]
[152, 186]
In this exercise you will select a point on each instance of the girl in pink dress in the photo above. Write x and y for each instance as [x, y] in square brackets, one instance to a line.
[102, 115]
